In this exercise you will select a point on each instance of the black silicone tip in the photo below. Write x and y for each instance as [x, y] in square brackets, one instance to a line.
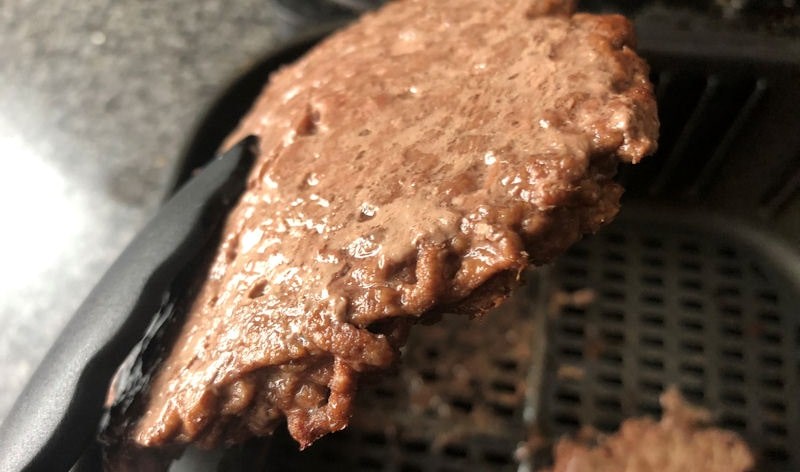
[56, 416]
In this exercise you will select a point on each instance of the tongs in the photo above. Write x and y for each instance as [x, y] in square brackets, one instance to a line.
[55, 418]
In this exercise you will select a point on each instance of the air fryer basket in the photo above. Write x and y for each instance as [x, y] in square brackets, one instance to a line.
[695, 285]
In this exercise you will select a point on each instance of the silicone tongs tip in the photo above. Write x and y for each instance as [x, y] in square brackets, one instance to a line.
[55, 418]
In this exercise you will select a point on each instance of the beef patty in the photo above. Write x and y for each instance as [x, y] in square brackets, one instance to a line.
[681, 441]
[413, 163]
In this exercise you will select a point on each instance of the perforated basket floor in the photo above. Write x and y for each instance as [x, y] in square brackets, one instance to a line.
[701, 306]
[592, 340]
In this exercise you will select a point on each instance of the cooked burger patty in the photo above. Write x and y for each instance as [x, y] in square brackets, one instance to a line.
[413, 163]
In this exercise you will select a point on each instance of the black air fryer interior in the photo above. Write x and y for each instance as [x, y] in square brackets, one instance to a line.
[695, 285]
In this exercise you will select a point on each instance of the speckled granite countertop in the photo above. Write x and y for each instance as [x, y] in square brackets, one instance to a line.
[96, 101]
